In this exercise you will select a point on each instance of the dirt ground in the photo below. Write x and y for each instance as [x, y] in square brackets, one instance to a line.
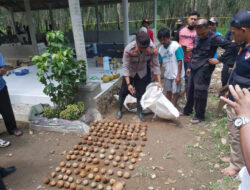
[165, 162]
[164, 157]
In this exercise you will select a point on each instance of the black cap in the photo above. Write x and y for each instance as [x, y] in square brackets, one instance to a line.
[146, 20]
[180, 20]
[241, 19]
[213, 20]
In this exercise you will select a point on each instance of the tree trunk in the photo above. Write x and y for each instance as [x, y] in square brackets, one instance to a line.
[209, 3]
[87, 19]
[118, 9]
[76, 20]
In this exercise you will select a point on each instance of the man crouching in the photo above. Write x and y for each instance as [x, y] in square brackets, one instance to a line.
[135, 57]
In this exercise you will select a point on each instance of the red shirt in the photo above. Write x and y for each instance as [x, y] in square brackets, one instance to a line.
[186, 39]
[151, 34]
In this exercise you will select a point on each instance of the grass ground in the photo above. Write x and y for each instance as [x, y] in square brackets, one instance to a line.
[177, 155]
[212, 147]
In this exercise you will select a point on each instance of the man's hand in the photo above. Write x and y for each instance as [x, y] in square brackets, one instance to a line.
[131, 89]
[158, 79]
[3, 71]
[188, 72]
[213, 61]
[189, 49]
[242, 101]
[178, 79]
[159, 86]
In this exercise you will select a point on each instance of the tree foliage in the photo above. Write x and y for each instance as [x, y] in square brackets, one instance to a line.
[58, 70]
[110, 18]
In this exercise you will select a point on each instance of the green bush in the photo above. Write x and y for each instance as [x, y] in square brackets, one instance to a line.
[58, 71]
[81, 107]
[50, 112]
[70, 113]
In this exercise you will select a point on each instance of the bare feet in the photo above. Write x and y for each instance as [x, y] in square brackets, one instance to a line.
[229, 171]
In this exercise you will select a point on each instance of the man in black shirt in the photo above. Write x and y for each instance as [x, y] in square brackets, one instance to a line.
[175, 31]
[205, 45]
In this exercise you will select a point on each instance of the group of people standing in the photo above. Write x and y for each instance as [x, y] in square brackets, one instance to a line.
[190, 52]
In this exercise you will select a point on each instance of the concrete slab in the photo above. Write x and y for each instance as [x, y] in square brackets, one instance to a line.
[26, 90]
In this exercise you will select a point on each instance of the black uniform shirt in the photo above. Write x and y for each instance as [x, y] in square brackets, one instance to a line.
[204, 49]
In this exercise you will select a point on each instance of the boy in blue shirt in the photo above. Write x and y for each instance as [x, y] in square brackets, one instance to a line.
[171, 58]
[5, 105]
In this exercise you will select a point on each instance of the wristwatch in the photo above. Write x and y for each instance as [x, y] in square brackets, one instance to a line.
[239, 121]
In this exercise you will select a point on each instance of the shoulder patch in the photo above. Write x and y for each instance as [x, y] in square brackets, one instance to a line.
[247, 55]
[240, 50]
[155, 52]
[132, 51]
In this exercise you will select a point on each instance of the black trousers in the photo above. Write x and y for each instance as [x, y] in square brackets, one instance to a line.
[139, 84]
[225, 74]
[197, 91]
[2, 186]
[6, 111]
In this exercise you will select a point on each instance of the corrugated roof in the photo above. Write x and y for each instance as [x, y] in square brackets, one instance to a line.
[18, 5]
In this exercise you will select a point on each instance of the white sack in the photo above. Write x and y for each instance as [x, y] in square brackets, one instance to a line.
[155, 100]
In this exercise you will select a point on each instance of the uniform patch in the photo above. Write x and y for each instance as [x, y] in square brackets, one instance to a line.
[247, 55]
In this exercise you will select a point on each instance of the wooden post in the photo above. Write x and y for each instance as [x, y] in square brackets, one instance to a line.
[97, 22]
[209, 4]
[125, 21]
[155, 18]
[76, 20]
[31, 25]
[51, 17]
[13, 21]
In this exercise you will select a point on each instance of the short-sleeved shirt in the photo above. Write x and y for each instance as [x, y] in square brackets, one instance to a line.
[241, 73]
[135, 61]
[186, 39]
[216, 55]
[170, 56]
[150, 34]
[175, 33]
[2, 64]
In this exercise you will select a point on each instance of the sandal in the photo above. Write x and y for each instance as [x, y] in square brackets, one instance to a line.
[4, 143]
[17, 133]
[195, 120]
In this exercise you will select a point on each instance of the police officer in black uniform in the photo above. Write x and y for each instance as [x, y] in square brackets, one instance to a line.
[240, 28]
[175, 31]
[200, 71]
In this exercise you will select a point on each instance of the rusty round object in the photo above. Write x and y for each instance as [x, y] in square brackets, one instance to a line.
[76, 171]
[120, 153]
[105, 179]
[84, 142]
[106, 162]
[46, 180]
[130, 149]
[96, 161]
[73, 157]
[106, 146]
[68, 157]
[82, 165]
[83, 174]
[68, 165]
[103, 171]
[99, 144]
[133, 144]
